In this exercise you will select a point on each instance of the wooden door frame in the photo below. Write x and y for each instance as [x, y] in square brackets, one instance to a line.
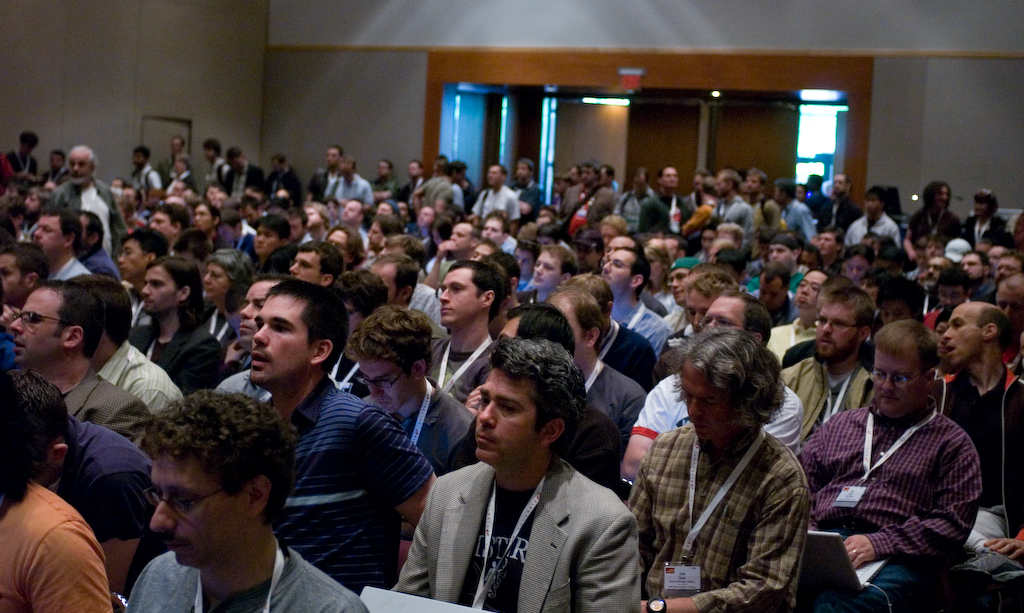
[749, 72]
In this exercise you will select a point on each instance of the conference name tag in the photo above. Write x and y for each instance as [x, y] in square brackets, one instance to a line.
[849, 496]
[681, 578]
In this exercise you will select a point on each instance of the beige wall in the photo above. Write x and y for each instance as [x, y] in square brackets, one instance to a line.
[87, 71]
[591, 132]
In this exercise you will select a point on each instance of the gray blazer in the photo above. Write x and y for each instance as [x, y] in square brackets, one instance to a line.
[583, 554]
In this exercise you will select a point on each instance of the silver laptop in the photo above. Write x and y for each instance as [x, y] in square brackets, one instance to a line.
[826, 564]
[386, 601]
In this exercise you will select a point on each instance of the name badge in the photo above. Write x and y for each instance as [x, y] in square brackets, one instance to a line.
[849, 496]
[681, 579]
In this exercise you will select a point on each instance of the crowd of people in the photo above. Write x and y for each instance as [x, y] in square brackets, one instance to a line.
[228, 389]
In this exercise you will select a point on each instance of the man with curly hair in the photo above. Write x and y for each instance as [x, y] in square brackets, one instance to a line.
[549, 539]
[740, 540]
[223, 466]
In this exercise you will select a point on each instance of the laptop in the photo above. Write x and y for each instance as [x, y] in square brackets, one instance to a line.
[386, 601]
[826, 564]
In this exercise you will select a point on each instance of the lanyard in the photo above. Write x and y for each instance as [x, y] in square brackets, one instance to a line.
[593, 376]
[609, 340]
[334, 374]
[869, 434]
[636, 317]
[462, 369]
[218, 334]
[423, 414]
[278, 570]
[831, 410]
[487, 579]
[149, 352]
[694, 529]
[673, 219]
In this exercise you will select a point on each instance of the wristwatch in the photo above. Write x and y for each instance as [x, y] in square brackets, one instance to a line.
[656, 605]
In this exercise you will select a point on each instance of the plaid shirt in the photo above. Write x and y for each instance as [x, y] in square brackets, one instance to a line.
[920, 502]
[749, 549]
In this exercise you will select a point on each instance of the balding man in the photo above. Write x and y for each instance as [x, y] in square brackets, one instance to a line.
[987, 401]
[86, 193]
[1010, 300]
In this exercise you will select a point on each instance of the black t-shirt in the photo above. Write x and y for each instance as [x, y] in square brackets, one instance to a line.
[981, 417]
[504, 593]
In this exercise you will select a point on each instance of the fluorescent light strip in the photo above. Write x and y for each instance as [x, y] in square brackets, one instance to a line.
[607, 101]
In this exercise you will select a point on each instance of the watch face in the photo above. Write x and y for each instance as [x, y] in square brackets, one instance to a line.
[655, 606]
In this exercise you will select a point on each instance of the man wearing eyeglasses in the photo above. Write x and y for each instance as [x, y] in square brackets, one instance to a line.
[392, 348]
[838, 376]
[56, 334]
[896, 479]
[216, 496]
[356, 470]
[987, 400]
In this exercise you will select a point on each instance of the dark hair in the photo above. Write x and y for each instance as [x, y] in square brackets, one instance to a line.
[530, 247]
[331, 262]
[212, 143]
[297, 212]
[23, 438]
[365, 290]
[392, 334]
[931, 190]
[506, 262]
[29, 258]
[149, 240]
[184, 273]
[558, 391]
[144, 150]
[787, 186]
[176, 213]
[231, 436]
[776, 270]
[756, 318]
[93, 225]
[904, 290]
[275, 223]
[78, 307]
[323, 314]
[862, 250]
[988, 198]
[195, 242]
[407, 273]
[116, 304]
[29, 138]
[486, 278]
[540, 320]
[954, 276]
[233, 154]
[390, 225]
[500, 216]
[410, 245]
[70, 223]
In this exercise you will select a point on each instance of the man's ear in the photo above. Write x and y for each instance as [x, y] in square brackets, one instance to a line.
[322, 351]
[418, 369]
[488, 298]
[592, 336]
[257, 494]
[72, 336]
[550, 431]
[636, 281]
[403, 295]
[326, 280]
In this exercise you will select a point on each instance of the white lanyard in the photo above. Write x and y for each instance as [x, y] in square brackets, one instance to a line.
[334, 374]
[979, 229]
[636, 318]
[462, 369]
[423, 414]
[278, 570]
[487, 578]
[694, 529]
[673, 224]
[219, 335]
[610, 340]
[831, 410]
[869, 434]
[593, 376]
[149, 352]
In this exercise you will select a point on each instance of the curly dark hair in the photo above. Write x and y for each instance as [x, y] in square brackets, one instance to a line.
[558, 390]
[392, 334]
[25, 433]
[230, 435]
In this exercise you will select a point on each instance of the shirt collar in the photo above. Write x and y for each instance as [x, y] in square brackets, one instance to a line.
[307, 413]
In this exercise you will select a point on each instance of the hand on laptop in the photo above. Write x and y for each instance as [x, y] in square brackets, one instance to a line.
[859, 549]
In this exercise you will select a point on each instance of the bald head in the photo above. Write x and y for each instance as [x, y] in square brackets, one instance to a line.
[977, 336]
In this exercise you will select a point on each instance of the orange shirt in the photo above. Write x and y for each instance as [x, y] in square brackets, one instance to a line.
[50, 560]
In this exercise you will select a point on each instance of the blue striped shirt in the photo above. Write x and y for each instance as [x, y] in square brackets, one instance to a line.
[354, 465]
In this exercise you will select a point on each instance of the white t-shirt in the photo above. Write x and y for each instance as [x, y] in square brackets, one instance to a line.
[664, 411]
[92, 202]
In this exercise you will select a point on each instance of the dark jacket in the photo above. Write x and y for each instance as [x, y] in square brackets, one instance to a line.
[191, 358]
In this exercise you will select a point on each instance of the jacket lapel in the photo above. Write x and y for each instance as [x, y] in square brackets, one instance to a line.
[459, 534]
[546, 541]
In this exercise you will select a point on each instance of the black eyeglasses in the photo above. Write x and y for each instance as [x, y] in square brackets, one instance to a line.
[179, 504]
[381, 382]
[32, 318]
